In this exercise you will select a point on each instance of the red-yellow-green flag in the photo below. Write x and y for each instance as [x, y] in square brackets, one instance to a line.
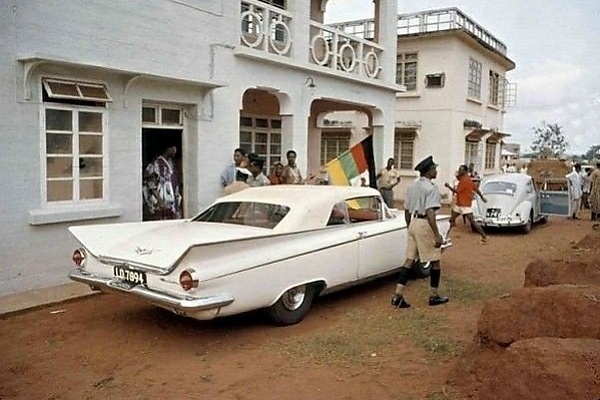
[353, 165]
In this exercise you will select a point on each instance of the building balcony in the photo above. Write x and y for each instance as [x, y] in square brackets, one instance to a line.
[270, 29]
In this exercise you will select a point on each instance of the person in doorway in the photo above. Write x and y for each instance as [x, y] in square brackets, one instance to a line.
[291, 172]
[276, 177]
[576, 187]
[387, 179]
[594, 198]
[257, 178]
[424, 239]
[465, 191]
[228, 176]
[162, 198]
[241, 176]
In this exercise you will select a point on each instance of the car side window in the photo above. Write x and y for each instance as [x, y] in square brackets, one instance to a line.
[363, 209]
[529, 187]
[338, 215]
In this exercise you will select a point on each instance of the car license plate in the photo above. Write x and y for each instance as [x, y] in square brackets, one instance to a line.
[130, 276]
[492, 212]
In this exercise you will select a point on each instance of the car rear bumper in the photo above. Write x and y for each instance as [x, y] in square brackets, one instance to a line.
[184, 306]
[500, 223]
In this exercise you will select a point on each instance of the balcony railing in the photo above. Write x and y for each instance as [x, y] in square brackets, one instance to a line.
[446, 19]
[425, 22]
[266, 27]
[332, 48]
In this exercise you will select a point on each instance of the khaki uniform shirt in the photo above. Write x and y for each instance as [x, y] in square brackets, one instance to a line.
[421, 196]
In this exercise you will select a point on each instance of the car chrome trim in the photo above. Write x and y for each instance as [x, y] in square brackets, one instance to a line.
[180, 305]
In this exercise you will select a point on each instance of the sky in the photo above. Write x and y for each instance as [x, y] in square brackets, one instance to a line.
[556, 47]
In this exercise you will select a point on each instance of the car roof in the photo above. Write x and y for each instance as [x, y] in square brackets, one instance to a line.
[299, 195]
[516, 177]
[310, 205]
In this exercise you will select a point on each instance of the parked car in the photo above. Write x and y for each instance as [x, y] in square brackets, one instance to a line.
[269, 247]
[512, 201]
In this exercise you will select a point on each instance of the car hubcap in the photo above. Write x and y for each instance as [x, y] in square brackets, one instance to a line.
[293, 298]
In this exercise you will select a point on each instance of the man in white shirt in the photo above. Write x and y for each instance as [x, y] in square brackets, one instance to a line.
[576, 186]
[387, 179]
[257, 178]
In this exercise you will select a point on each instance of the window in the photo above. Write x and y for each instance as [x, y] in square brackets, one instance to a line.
[404, 148]
[260, 215]
[406, 70]
[435, 80]
[333, 144]
[163, 116]
[58, 89]
[73, 140]
[74, 150]
[474, 79]
[472, 155]
[490, 155]
[261, 135]
[495, 89]
[363, 209]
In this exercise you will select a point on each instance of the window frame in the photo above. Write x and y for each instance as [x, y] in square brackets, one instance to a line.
[158, 122]
[400, 137]
[269, 130]
[474, 79]
[401, 62]
[490, 156]
[337, 140]
[47, 81]
[75, 154]
[495, 97]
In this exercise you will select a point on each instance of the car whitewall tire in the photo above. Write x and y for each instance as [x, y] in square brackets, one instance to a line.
[293, 305]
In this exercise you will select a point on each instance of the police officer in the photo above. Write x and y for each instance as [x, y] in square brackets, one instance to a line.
[424, 239]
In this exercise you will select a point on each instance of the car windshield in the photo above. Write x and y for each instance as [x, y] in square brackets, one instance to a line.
[500, 187]
[260, 215]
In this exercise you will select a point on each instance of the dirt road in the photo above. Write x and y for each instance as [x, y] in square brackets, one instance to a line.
[352, 345]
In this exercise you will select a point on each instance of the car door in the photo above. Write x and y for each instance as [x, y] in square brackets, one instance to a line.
[380, 245]
[555, 197]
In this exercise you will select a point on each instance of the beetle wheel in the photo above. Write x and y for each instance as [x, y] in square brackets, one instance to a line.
[293, 305]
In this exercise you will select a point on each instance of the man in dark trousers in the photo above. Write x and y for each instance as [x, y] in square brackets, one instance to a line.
[424, 239]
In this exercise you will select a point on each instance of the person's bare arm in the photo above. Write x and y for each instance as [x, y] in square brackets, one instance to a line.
[407, 217]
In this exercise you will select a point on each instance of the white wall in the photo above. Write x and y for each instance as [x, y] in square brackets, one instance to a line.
[442, 111]
[159, 51]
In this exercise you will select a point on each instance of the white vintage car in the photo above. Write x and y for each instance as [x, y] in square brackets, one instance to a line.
[269, 247]
[512, 201]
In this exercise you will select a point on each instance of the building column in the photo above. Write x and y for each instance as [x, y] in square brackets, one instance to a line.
[294, 136]
[299, 30]
[386, 17]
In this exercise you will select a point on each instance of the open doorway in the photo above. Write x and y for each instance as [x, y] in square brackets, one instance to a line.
[154, 143]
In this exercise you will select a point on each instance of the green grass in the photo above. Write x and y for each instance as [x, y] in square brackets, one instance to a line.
[361, 335]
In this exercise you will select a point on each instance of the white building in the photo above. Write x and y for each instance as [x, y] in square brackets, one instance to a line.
[92, 90]
[454, 72]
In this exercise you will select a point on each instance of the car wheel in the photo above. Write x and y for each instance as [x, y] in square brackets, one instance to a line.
[292, 306]
[527, 227]
[420, 270]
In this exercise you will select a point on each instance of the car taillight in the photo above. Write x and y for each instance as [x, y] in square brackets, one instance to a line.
[188, 279]
[79, 258]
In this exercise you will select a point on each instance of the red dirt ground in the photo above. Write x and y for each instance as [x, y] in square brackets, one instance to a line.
[352, 345]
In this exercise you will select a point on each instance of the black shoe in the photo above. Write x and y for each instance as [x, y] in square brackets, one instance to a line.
[437, 300]
[399, 301]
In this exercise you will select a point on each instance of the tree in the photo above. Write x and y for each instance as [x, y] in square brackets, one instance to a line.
[593, 153]
[549, 140]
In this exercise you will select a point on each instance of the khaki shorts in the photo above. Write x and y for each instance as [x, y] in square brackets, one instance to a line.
[462, 210]
[421, 242]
